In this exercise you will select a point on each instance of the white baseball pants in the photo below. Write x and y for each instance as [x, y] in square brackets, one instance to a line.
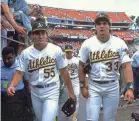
[102, 94]
[45, 110]
[45, 102]
[76, 89]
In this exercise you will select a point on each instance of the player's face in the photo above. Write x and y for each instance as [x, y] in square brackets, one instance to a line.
[69, 54]
[8, 60]
[102, 28]
[40, 38]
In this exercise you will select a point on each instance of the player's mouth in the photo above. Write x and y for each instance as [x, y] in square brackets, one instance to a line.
[101, 30]
[42, 42]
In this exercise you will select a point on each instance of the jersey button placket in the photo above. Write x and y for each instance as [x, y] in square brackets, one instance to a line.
[40, 69]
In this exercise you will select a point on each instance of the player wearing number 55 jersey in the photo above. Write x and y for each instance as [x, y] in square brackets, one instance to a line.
[43, 61]
[106, 53]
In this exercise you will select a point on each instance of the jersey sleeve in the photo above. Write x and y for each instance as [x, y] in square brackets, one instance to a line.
[22, 62]
[83, 53]
[124, 53]
[60, 60]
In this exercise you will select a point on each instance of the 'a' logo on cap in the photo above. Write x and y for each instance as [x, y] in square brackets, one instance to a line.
[40, 25]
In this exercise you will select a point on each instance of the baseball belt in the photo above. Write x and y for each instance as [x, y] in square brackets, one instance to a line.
[103, 82]
[44, 86]
[74, 78]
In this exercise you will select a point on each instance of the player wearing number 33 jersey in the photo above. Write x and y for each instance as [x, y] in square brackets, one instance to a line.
[44, 62]
[105, 53]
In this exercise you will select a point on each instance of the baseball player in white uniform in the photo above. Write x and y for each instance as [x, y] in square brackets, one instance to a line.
[135, 67]
[106, 53]
[135, 59]
[43, 61]
[73, 66]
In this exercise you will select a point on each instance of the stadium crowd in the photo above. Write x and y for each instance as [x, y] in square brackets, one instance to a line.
[16, 35]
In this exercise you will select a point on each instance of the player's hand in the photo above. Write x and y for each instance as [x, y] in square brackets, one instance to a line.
[72, 96]
[10, 91]
[129, 96]
[85, 92]
[21, 30]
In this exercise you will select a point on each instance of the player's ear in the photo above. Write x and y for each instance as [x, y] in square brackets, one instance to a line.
[110, 30]
[95, 32]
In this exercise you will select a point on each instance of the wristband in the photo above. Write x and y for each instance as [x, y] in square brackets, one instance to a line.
[82, 84]
[130, 86]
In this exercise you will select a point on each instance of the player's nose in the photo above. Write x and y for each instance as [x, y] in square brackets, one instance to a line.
[40, 35]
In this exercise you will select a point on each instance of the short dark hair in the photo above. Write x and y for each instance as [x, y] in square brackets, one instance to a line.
[8, 50]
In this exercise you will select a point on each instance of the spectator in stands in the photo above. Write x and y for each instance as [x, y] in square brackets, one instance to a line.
[4, 24]
[4, 27]
[135, 65]
[10, 35]
[13, 108]
[21, 14]
[8, 15]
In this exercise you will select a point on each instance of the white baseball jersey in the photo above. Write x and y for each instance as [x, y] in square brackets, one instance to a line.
[73, 66]
[42, 65]
[105, 57]
[135, 59]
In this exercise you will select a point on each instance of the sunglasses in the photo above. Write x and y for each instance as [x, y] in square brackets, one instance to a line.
[101, 23]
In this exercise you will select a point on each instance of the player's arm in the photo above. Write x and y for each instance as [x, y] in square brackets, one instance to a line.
[83, 80]
[16, 79]
[128, 75]
[127, 70]
[82, 75]
[26, 83]
[65, 74]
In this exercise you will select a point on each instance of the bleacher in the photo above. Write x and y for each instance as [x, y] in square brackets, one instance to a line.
[72, 25]
[124, 17]
[72, 32]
